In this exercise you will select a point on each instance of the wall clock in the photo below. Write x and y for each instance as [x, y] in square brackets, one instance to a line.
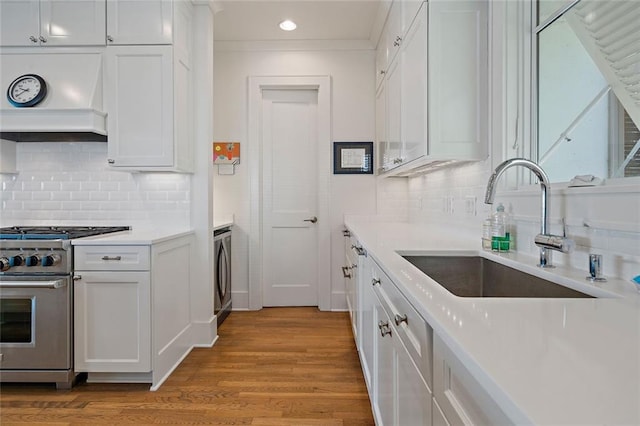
[27, 90]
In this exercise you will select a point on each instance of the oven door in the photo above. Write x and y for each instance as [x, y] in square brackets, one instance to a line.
[35, 323]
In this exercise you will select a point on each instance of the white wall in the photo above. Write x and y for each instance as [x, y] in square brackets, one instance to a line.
[70, 183]
[352, 80]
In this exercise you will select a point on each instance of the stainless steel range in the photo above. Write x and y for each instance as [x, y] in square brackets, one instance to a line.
[36, 302]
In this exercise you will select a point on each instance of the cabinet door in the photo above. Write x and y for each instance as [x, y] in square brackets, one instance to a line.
[393, 115]
[139, 22]
[72, 22]
[393, 27]
[414, 89]
[409, 12]
[112, 326]
[19, 22]
[384, 371]
[139, 88]
[381, 58]
[413, 405]
[368, 325]
[458, 79]
[381, 127]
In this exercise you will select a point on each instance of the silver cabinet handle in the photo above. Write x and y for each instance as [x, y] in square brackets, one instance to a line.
[109, 38]
[111, 161]
[384, 328]
[312, 220]
[42, 39]
[111, 257]
[77, 277]
[361, 251]
[33, 39]
[375, 282]
[346, 233]
[399, 319]
[345, 273]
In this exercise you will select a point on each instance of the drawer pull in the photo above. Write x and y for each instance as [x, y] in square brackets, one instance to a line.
[399, 319]
[384, 328]
[375, 281]
[111, 257]
[345, 273]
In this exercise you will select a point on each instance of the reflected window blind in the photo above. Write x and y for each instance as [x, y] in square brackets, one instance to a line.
[610, 32]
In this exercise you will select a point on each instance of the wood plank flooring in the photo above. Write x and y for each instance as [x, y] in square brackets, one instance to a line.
[274, 367]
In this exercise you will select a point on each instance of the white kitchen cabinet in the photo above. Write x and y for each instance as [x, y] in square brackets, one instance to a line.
[350, 272]
[406, 97]
[393, 116]
[112, 310]
[381, 125]
[367, 324]
[150, 110]
[458, 79]
[413, 92]
[401, 15]
[52, 22]
[402, 366]
[459, 397]
[438, 107]
[384, 369]
[132, 309]
[139, 22]
[381, 59]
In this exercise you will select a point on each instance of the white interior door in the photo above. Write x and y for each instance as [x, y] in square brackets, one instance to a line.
[290, 188]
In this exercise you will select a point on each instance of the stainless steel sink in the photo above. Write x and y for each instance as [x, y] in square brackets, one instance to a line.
[474, 276]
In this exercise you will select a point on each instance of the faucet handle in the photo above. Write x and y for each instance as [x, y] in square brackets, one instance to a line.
[555, 242]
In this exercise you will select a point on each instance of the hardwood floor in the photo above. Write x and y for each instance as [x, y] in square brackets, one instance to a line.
[277, 366]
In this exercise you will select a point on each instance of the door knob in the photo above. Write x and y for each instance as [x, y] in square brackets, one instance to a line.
[312, 220]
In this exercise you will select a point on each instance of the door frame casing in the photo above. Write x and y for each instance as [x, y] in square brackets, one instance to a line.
[256, 84]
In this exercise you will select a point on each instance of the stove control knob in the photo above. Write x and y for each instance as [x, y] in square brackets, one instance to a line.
[16, 260]
[32, 260]
[50, 260]
[4, 264]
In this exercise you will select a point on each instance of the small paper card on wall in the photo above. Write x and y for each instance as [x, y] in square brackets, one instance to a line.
[226, 153]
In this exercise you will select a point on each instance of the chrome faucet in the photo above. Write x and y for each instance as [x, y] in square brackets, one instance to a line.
[544, 240]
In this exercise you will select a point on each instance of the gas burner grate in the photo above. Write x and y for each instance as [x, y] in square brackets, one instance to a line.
[56, 232]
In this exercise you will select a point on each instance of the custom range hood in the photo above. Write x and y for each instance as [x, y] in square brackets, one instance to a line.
[72, 109]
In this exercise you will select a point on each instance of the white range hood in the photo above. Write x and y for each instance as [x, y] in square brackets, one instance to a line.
[73, 108]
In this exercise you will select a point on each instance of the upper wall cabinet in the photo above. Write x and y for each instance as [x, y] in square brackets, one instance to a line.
[149, 99]
[52, 22]
[139, 22]
[437, 88]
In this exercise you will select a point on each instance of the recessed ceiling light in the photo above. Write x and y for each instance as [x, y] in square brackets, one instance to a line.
[288, 25]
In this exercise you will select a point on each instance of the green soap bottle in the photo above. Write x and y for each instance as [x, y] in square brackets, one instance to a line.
[500, 238]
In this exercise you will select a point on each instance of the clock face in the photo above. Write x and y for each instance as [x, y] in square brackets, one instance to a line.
[27, 90]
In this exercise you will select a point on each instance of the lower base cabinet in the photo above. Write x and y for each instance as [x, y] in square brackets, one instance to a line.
[132, 315]
[112, 322]
[459, 397]
[401, 392]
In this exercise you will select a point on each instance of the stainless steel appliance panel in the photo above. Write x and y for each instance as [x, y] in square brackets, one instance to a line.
[35, 322]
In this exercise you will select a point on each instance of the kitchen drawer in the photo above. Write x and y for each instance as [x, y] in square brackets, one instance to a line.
[413, 330]
[112, 258]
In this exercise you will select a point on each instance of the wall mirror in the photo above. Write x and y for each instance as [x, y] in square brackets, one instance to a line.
[588, 88]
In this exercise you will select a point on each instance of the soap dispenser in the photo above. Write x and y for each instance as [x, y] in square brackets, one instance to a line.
[500, 227]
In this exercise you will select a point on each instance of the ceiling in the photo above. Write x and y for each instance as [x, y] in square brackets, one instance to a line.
[257, 20]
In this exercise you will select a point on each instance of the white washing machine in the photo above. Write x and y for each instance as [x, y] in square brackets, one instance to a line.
[222, 273]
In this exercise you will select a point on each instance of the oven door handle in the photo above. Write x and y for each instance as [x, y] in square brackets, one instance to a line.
[33, 284]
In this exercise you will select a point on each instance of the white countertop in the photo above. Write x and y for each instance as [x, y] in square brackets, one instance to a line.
[132, 237]
[544, 361]
[222, 223]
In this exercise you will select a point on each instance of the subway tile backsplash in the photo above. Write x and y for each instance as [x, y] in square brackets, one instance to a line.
[71, 183]
[599, 222]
